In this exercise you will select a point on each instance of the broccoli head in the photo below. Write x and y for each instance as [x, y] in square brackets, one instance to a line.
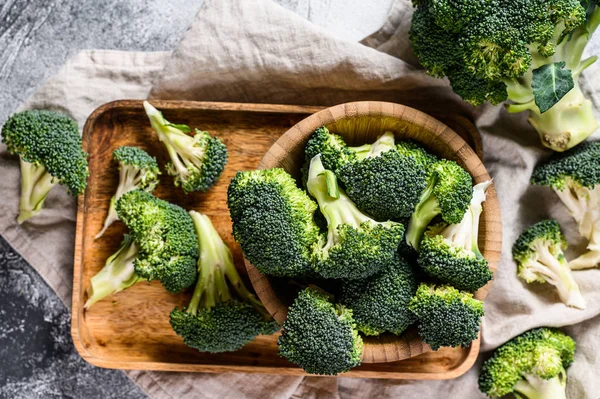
[165, 236]
[446, 316]
[575, 176]
[448, 193]
[320, 336]
[530, 366]
[417, 152]
[196, 162]
[222, 315]
[49, 148]
[528, 52]
[450, 253]
[380, 303]
[357, 246]
[539, 255]
[273, 221]
[385, 184]
[137, 171]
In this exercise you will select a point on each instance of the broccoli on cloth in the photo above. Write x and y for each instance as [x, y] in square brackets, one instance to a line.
[530, 366]
[222, 315]
[575, 177]
[320, 336]
[196, 162]
[450, 253]
[539, 254]
[49, 148]
[357, 246]
[529, 52]
[446, 316]
[137, 171]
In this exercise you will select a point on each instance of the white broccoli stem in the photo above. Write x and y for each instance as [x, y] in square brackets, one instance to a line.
[36, 184]
[385, 142]
[576, 206]
[534, 387]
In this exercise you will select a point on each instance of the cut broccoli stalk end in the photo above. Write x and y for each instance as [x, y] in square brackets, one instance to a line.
[535, 387]
[36, 184]
[117, 274]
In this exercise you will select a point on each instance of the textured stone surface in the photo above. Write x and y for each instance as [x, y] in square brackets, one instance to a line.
[38, 359]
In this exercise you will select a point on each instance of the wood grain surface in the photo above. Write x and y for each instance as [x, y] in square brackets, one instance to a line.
[130, 330]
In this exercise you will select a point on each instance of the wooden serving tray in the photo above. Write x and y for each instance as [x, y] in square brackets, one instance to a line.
[130, 330]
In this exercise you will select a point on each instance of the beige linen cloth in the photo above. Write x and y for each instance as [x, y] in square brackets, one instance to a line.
[256, 51]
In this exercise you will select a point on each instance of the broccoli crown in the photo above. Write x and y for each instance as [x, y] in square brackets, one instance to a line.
[387, 186]
[418, 153]
[446, 316]
[273, 221]
[135, 156]
[527, 364]
[380, 303]
[481, 44]
[319, 336]
[451, 263]
[51, 140]
[357, 246]
[577, 167]
[196, 162]
[544, 234]
[332, 147]
[165, 234]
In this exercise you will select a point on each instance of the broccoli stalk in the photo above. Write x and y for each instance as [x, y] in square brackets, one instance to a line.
[137, 171]
[117, 274]
[535, 387]
[539, 254]
[36, 184]
[196, 162]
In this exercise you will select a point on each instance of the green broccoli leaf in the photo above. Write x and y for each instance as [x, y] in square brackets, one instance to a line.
[183, 128]
[551, 82]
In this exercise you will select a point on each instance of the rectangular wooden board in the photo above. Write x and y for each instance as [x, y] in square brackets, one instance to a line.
[130, 330]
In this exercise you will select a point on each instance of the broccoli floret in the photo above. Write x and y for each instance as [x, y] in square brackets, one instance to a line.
[165, 235]
[446, 316]
[448, 193]
[196, 162]
[385, 184]
[539, 255]
[320, 336]
[117, 274]
[418, 153]
[529, 52]
[530, 366]
[357, 246]
[575, 177]
[273, 221]
[49, 148]
[222, 315]
[137, 171]
[450, 253]
[380, 303]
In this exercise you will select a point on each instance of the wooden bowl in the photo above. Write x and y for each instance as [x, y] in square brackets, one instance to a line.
[360, 123]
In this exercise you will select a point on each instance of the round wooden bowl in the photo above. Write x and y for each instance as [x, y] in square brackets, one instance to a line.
[360, 123]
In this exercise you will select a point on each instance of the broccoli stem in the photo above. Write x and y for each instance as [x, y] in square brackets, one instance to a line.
[385, 142]
[117, 274]
[36, 184]
[427, 208]
[534, 387]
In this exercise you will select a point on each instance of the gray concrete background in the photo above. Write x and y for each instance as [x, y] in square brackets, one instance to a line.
[37, 357]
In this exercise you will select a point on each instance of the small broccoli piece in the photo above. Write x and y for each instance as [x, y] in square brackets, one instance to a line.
[117, 274]
[165, 235]
[196, 162]
[539, 255]
[418, 153]
[137, 171]
[49, 148]
[450, 253]
[380, 302]
[385, 184]
[273, 221]
[222, 315]
[448, 193]
[320, 336]
[575, 177]
[357, 246]
[446, 316]
[529, 52]
[530, 366]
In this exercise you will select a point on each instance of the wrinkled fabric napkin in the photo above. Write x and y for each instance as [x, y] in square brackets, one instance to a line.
[256, 51]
